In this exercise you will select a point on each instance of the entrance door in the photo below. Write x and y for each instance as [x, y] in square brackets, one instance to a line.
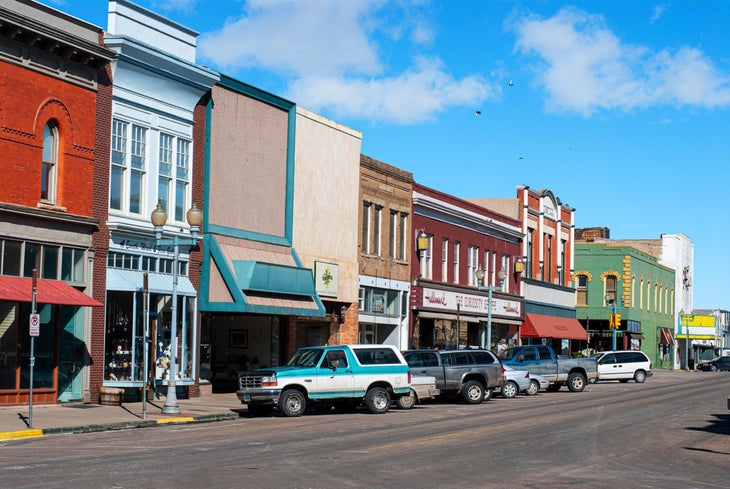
[71, 354]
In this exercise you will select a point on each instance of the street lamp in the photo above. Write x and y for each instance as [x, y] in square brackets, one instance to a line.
[615, 321]
[486, 342]
[158, 218]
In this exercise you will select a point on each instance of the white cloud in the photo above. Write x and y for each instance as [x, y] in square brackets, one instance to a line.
[586, 68]
[657, 12]
[408, 98]
[331, 53]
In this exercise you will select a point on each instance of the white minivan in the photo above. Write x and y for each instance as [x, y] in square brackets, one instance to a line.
[624, 365]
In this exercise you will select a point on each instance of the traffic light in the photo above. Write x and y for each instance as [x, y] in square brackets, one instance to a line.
[614, 321]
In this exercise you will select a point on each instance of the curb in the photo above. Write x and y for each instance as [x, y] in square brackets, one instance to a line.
[93, 428]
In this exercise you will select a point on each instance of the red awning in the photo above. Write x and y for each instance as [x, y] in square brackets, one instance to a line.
[666, 337]
[542, 326]
[20, 289]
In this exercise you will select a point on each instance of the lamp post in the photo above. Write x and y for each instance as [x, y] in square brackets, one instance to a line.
[486, 341]
[158, 218]
[615, 321]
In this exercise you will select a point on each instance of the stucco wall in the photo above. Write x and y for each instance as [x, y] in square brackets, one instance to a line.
[326, 182]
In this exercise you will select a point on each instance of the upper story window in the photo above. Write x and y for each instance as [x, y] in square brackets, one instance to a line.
[581, 291]
[392, 238]
[19, 258]
[128, 170]
[426, 261]
[365, 237]
[49, 175]
[402, 236]
[457, 245]
[444, 260]
[473, 265]
[174, 150]
[611, 289]
[376, 229]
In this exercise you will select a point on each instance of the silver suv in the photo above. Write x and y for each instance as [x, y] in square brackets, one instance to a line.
[624, 365]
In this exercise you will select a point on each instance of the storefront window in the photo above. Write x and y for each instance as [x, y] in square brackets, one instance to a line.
[43, 347]
[124, 338]
[8, 345]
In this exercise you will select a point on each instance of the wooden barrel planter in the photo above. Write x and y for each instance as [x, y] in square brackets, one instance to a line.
[111, 396]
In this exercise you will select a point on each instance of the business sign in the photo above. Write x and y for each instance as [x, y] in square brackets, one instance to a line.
[326, 278]
[470, 304]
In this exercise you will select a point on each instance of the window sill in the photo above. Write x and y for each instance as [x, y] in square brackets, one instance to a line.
[51, 207]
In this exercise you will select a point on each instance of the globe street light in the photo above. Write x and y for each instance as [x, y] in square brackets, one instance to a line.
[159, 218]
[615, 321]
[486, 341]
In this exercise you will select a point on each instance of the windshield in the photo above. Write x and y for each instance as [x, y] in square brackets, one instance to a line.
[507, 354]
[307, 357]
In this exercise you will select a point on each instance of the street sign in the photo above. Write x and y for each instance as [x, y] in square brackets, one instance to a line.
[35, 324]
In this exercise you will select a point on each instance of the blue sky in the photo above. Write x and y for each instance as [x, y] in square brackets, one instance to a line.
[621, 108]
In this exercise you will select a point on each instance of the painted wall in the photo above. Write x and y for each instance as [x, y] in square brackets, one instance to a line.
[326, 183]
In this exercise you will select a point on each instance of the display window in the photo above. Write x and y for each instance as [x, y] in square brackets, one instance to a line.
[126, 330]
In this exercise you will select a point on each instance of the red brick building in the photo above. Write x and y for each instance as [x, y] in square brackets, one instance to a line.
[455, 242]
[53, 79]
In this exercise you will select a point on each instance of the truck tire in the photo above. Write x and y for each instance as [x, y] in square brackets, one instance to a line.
[407, 402]
[292, 403]
[534, 388]
[510, 389]
[377, 400]
[472, 392]
[576, 382]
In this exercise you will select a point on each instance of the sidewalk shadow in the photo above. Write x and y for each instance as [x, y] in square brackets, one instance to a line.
[24, 419]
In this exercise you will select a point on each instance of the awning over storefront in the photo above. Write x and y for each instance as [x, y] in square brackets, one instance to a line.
[20, 289]
[636, 335]
[131, 280]
[665, 336]
[258, 278]
[543, 326]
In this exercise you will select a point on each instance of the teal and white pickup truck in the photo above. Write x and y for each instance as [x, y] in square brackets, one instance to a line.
[343, 376]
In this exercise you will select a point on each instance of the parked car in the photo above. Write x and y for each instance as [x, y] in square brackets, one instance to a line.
[537, 383]
[422, 388]
[516, 381]
[717, 363]
[624, 365]
[542, 360]
[471, 373]
[343, 376]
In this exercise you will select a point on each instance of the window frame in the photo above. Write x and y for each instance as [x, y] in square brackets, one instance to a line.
[49, 163]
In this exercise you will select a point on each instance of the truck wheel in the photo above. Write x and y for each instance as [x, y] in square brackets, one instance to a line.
[576, 382]
[260, 409]
[292, 403]
[407, 402]
[472, 392]
[639, 376]
[534, 388]
[510, 389]
[377, 400]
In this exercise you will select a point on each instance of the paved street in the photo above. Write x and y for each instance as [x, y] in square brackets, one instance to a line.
[671, 432]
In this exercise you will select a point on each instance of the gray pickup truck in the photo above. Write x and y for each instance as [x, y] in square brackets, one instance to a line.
[542, 360]
[472, 374]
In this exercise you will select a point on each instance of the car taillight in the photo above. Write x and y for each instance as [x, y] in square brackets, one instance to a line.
[527, 375]
[268, 381]
[409, 376]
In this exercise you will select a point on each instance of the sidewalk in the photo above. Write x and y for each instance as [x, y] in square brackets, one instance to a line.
[86, 418]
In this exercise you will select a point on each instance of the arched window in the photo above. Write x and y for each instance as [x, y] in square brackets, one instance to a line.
[50, 163]
[581, 290]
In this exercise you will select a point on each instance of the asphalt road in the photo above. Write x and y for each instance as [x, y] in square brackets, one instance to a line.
[671, 432]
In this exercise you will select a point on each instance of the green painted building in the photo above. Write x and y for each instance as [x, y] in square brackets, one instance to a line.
[616, 278]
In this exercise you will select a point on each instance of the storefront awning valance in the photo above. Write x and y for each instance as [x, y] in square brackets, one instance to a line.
[665, 336]
[543, 326]
[240, 276]
[636, 335]
[20, 289]
[132, 281]
[447, 316]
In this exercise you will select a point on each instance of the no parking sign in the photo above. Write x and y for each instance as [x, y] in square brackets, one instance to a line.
[35, 324]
